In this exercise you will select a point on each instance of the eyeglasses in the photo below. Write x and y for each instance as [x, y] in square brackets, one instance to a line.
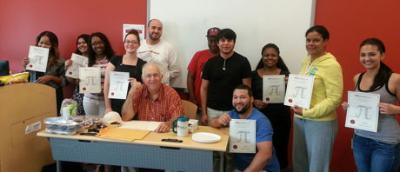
[131, 42]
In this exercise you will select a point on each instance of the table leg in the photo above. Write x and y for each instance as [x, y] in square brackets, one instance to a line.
[58, 166]
[221, 162]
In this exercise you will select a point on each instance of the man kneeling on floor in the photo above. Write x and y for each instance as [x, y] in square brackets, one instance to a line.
[264, 158]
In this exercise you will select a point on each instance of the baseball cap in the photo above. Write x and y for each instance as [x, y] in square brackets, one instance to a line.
[213, 32]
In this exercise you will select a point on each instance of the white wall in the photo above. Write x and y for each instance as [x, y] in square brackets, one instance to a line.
[256, 23]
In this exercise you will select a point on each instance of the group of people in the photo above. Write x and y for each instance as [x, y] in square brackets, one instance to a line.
[220, 81]
[215, 73]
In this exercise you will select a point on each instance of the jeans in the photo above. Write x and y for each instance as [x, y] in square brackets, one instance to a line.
[374, 156]
[313, 144]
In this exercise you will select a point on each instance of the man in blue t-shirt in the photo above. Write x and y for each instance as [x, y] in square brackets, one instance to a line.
[264, 158]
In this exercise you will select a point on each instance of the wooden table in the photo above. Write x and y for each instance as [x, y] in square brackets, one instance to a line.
[149, 152]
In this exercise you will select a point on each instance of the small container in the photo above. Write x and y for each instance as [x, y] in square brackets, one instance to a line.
[60, 125]
[193, 125]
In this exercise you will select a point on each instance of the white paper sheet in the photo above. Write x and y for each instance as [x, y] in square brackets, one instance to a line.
[273, 88]
[141, 125]
[90, 80]
[362, 111]
[127, 27]
[38, 57]
[242, 136]
[119, 82]
[78, 61]
[299, 90]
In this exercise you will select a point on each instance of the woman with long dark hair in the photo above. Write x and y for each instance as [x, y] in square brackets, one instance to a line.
[54, 75]
[271, 63]
[378, 151]
[82, 48]
[101, 53]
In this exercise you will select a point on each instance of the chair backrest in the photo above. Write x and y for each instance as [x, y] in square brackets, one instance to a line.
[190, 109]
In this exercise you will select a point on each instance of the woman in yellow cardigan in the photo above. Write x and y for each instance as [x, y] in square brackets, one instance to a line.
[315, 128]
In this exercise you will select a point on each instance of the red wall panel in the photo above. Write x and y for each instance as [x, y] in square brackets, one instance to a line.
[350, 22]
[22, 20]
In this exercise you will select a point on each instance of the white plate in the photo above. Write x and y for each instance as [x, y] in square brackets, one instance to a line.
[204, 137]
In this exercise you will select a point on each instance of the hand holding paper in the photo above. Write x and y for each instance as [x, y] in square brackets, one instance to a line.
[363, 111]
[119, 82]
[78, 61]
[90, 80]
[38, 57]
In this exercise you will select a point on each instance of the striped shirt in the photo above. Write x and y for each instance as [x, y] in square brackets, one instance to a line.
[167, 106]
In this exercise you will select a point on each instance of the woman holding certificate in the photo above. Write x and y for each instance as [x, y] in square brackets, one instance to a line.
[53, 75]
[101, 53]
[83, 49]
[378, 151]
[128, 63]
[315, 128]
[271, 64]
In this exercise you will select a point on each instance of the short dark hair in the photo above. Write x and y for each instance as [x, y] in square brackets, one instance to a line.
[319, 29]
[151, 20]
[227, 33]
[244, 87]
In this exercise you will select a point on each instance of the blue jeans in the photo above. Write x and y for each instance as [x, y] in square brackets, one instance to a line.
[374, 156]
[312, 144]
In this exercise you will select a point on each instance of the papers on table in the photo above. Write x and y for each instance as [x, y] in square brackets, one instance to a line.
[122, 134]
[90, 80]
[362, 111]
[119, 82]
[242, 136]
[38, 57]
[141, 125]
[299, 91]
[127, 27]
[273, 88]
[77, 62]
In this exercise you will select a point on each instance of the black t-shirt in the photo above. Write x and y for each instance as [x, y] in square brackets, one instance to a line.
[224, 76]
[134, 72]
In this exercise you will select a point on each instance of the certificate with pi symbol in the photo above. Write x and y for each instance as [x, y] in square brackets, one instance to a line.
[90, 80]
[119, 82]
[273, 88]
[242, 136]
[362, 111]
[78, 61]
[38, 57]
[299, 90]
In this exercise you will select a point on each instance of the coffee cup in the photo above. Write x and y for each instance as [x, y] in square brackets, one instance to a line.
[181, 126]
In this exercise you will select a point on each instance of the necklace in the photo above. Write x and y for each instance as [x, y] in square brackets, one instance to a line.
[224, 66]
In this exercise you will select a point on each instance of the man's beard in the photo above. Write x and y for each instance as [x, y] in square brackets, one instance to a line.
[154, 38]
[244, 109]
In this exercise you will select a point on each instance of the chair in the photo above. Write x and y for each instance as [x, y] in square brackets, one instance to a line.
[189, 109]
